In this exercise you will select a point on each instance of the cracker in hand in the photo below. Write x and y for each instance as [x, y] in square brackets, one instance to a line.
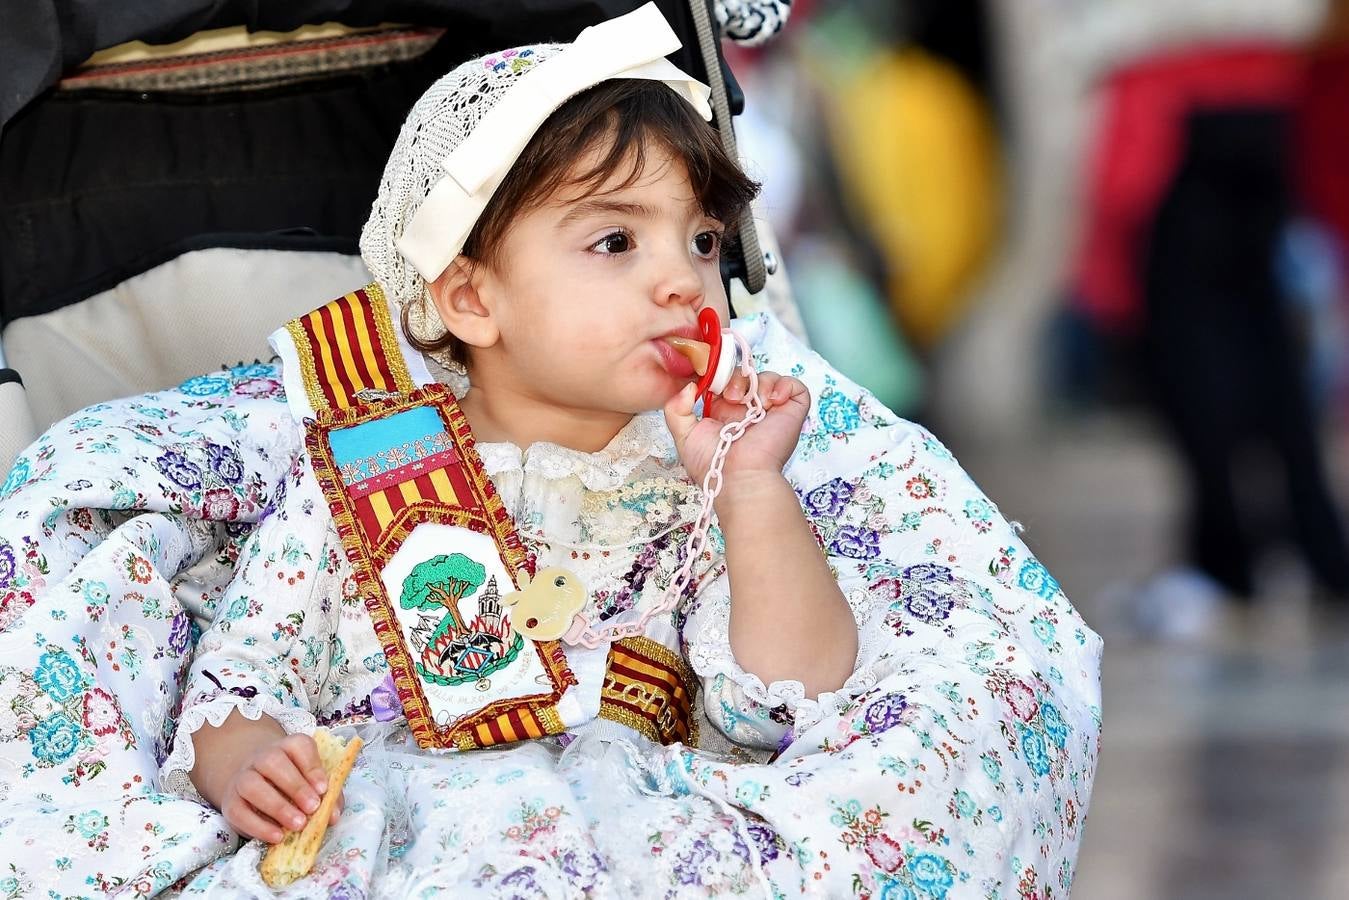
[294, 857]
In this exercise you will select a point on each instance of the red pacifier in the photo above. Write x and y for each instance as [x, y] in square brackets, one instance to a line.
[709, 324]
[719, 367]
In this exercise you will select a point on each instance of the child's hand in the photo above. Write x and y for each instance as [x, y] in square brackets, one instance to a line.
[276, 788]
[764, 447]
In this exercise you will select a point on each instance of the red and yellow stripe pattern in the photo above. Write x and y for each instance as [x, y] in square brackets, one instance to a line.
[348, 346]
[378, 510]
[651, 690]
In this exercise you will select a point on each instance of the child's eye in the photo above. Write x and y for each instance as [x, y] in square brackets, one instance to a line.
[615, 243]
[707, 243]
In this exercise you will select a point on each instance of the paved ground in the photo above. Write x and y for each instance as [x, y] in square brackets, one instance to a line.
[1225, 767]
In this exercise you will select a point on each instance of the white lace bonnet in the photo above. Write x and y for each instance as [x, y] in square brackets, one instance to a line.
[467, 130]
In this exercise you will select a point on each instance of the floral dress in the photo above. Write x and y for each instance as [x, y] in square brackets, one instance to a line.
[167, 559]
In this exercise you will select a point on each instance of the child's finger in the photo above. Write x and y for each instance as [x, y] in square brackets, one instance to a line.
[679, 416]
[250, 823]
[737, 388]
[283, 772]
[264, 797]
[304, 754]
[338, 806]
[767, 382]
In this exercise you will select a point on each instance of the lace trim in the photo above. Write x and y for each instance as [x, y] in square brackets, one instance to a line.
[711, 655]
[173, 774]
[645, 436]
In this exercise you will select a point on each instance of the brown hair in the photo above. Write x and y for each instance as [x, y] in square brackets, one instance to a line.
[627, 113]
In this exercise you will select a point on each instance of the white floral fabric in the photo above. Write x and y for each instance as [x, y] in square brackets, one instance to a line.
[168, 558]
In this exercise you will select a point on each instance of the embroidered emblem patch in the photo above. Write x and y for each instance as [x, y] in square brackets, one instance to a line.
[434, 553]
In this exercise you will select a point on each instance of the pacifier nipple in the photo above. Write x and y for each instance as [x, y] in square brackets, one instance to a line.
[696, 352]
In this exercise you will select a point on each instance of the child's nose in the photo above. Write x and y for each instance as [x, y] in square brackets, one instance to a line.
[679, 283]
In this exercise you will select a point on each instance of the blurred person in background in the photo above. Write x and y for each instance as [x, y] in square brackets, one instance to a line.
[1215, 219]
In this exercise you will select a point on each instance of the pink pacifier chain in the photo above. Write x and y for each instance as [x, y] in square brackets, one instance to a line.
[581, 633]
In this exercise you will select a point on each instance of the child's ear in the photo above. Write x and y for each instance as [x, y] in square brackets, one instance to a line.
[460, 305]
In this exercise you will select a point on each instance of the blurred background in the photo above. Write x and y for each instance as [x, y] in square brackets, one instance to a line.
[1098, 247]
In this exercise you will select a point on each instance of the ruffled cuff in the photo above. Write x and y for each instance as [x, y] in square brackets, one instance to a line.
[174, 773]
[767, 715]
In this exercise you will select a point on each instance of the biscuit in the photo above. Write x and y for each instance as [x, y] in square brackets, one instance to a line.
[294, 857]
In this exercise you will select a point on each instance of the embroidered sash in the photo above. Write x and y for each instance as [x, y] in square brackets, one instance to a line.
[433, 549]
[432, 546]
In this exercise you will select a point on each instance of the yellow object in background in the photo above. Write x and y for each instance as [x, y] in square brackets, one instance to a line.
[918, 155]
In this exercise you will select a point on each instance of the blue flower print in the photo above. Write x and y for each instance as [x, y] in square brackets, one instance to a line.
[838, 414]
[178, 469]
[937, 448]
[90, 823]
[225, 462]
[8, 566]
[58, 675]
[829, 499]
[1033, 748]
[891, 889]
[978, 509]
[1043, 629]
[206, 386]
[1036, 578]
[856, 542]
[96, 593]
[253, 370]
[55, 739]
[17, 476]
[1055, 727]
[931, 874]
[238, 609]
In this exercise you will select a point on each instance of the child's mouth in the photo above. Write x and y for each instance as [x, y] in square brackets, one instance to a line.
[688, 354]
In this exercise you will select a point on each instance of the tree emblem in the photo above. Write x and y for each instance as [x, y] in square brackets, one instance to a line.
[443, 581]
[452, 651]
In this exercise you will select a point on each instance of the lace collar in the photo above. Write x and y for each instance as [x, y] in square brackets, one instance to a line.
[609, 469]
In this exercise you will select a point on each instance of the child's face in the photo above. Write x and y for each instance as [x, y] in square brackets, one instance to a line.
[585, 287]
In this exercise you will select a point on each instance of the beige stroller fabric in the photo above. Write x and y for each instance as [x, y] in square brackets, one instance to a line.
[191, 315]
[17, 429]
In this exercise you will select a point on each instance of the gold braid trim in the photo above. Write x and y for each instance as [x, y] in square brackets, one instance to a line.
[379, 308]
[308, 372]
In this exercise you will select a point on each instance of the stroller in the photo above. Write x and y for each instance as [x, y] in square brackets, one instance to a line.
[162, 208]
[159, 216]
